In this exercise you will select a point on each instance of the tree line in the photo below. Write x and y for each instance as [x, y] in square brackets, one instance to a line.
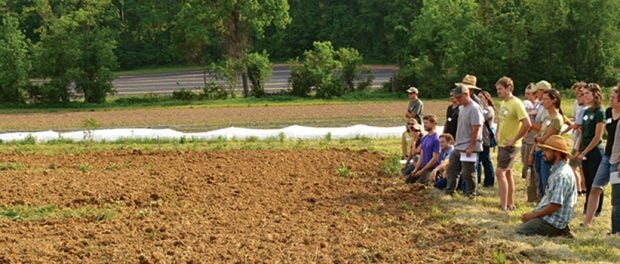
[76, 44]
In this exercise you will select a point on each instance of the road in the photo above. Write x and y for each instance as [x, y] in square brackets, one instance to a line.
[166, 83]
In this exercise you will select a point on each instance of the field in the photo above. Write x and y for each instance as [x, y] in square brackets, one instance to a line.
[217, 206]
[273, 201]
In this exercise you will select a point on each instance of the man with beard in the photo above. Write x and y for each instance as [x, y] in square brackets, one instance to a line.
[556, 208]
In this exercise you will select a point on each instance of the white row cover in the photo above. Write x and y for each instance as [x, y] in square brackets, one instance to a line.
[291, 132]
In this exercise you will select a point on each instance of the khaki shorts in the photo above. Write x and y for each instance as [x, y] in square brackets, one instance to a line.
[506, 156]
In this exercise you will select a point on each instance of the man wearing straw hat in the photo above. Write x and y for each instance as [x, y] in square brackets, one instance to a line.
[556, 208]
[470, 81]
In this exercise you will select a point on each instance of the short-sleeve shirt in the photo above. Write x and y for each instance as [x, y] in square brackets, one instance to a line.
[452, 117]
[510, 114]
[416, 107]
[610, 125]
[430, 144]
[470, 115]
[555, 121]
[561, 190]
[489, 115]
[578, 115]
[445, 154]
[591, 117]
[529, 107]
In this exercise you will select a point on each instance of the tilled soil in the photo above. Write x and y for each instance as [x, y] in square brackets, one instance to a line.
[201, 119]
[285, 206]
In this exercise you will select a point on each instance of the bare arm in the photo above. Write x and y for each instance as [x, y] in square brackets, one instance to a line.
[430, 164]
[598, 135]
[547, 210]
[550, 132]
[525, 126]
[472, 142]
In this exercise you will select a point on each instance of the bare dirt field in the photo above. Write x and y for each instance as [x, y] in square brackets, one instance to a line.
[193, 119]
[285, 206]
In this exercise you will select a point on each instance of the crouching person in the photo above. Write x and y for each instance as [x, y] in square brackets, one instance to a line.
[446, 142]
[429, 154]
[556, 208]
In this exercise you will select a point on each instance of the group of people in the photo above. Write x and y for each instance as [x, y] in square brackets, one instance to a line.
[556, 173]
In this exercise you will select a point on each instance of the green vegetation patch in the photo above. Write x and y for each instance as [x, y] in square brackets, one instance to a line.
[9, 166]
[48, 212]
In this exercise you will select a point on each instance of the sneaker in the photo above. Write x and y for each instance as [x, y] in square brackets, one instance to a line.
[410, 179]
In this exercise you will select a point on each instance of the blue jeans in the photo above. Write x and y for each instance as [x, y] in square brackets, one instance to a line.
[484, 160]
[590, 166]
[615, 204]
[543, 169]
[601, 179]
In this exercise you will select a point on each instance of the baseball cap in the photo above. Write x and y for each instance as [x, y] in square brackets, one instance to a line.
[412, 90]
[460, 89]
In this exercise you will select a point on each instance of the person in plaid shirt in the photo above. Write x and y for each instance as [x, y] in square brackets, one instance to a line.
[556, 208]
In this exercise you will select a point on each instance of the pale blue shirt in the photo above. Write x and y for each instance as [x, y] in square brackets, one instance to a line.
[561, 190]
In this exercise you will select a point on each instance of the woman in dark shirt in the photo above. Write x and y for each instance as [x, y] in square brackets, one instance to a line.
[601, 179]
[590, 140]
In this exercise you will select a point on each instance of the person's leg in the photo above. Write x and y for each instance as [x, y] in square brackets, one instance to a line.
[469, 173]
[479, 169]
[533, 194]
[589, 167]
[545, 172]
[510, 190]
[600, 181]
[615, 204]
[501, 177]
[452, 171]
[538, 226]
[489, 172]
[524, 156]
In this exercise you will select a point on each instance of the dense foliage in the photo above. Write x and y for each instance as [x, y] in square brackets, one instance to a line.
[75, 44]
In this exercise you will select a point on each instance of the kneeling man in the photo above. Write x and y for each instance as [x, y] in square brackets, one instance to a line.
[556, 208]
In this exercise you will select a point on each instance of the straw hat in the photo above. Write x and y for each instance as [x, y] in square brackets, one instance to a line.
[470, 81]
[542, 85]
[557, 143]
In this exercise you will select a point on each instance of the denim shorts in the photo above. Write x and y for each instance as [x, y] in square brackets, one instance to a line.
[602, 173]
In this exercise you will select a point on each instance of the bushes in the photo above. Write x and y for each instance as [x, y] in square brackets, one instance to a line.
[14, 65]
[327, 71]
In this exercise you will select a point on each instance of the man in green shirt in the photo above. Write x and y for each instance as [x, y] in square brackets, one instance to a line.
[513, 124]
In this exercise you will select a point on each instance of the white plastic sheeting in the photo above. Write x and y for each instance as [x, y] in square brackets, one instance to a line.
[291, 132]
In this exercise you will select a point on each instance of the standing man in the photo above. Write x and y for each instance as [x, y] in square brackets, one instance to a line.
[416, 107]
[513, 123]
[556, 208]
[430, 148]
[468, 143]
[470, 81]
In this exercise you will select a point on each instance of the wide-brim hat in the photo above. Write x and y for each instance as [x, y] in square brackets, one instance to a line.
[557, 143]
[470, 81]
[542, 85]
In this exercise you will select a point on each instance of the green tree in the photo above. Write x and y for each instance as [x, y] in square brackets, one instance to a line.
[15, 64]
[259, 70]
[77, 48]
[232, 24]
[146, 32]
